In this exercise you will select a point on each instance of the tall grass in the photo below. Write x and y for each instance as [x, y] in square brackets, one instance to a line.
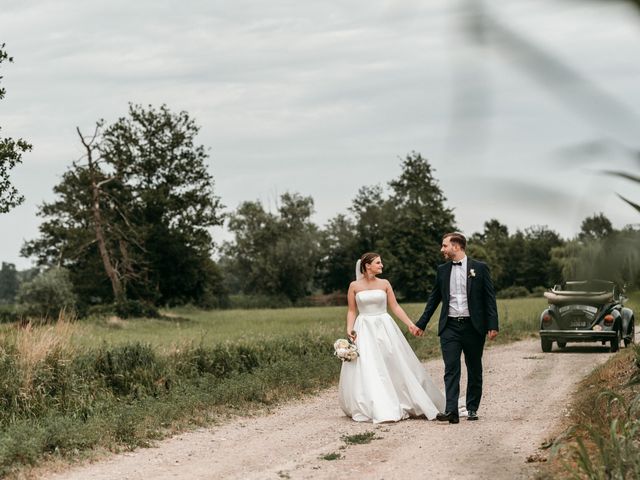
[57, 398]
[604, 440]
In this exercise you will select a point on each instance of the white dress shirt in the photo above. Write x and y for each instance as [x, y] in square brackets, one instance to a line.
[458, 305]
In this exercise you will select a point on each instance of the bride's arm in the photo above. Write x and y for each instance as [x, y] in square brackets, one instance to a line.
[395, 307]
[351, 312]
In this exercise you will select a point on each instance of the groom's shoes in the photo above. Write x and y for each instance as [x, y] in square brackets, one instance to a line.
[451, 417]
[472, 415]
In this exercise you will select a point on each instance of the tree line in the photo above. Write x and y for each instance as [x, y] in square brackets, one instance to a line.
[130, 228]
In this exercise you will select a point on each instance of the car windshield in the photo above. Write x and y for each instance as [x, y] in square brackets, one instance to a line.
[588, 286]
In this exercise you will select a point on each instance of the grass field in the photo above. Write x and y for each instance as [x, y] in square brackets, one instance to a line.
[76, 387]
[518, 318]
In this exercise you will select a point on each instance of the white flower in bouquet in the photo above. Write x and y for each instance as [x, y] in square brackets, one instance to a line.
[345, 350]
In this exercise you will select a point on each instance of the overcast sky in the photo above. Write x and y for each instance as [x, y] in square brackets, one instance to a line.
[322, 98]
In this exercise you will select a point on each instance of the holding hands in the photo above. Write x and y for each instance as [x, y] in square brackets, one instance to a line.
[415, 331]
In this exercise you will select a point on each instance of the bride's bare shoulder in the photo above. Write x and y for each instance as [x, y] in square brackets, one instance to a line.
[357, 285]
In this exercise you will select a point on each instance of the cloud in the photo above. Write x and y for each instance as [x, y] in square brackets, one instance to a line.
[319, 98]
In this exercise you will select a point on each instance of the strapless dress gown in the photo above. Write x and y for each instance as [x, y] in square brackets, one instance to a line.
[387, 382]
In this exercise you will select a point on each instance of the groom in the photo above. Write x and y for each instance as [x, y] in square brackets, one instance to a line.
[468, 315]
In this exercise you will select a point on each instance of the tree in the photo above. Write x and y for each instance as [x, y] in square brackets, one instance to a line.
[8, 283]
[67, 237]
[405, 228]
[595, 227]
[273, 254]
[340, 250]
[492, 247]
[415, 219]
[368, 209]
[615, 257]
[96, 182]
[10, 155]
[136, 216]
[172, 203]
[531, 256]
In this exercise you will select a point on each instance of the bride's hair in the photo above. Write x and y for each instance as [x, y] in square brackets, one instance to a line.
[367, 259]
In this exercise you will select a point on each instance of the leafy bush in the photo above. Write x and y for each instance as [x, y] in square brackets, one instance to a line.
[537, 292]
[8, 314]
[48, 294]
[135, 308]
[513, 292]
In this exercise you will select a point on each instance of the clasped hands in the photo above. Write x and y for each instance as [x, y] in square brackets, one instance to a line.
[418, 332]
[415, 331]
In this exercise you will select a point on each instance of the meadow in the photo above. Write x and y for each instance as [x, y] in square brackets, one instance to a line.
[74, 388]
[518, 317]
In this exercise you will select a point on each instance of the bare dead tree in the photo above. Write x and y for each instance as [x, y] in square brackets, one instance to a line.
[98, 222]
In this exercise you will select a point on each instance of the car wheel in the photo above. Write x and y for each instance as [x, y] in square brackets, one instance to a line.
[562, 344]
[615, 343]
[629, 339]
[546, 344]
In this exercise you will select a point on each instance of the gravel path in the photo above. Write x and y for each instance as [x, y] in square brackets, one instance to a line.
[524, 400]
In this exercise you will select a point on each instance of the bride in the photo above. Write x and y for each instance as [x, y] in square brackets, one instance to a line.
[387, 382]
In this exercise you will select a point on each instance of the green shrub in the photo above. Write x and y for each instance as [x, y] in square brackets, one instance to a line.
[135, 308]
[48, 294]
[131, 369]
[513, 292]
[8, 314]
[538, 292]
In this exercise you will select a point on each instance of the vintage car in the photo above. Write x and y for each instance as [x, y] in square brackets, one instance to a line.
[586, 311]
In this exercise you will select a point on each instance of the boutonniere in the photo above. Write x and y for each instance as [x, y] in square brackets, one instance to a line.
[472, 273]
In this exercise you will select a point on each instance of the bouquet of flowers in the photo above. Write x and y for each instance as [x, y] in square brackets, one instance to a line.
[345, 350]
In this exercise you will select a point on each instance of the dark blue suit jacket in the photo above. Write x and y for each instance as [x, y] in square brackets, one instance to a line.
[481, 297]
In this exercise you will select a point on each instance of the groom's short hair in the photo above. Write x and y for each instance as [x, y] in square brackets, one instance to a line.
[456, 237]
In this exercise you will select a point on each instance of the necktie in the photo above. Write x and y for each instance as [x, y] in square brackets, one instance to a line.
[457, 264]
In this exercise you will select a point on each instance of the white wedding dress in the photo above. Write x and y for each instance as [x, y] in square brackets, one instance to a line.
[387, 382]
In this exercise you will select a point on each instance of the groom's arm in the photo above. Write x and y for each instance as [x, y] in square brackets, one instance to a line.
[491, 308]
[435, 297]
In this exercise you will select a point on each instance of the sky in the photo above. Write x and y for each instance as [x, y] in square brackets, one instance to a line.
[322, 98]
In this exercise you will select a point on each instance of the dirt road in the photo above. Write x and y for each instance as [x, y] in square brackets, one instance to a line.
[525, 396]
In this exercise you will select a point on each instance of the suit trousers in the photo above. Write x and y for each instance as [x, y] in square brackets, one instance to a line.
[459, 336]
